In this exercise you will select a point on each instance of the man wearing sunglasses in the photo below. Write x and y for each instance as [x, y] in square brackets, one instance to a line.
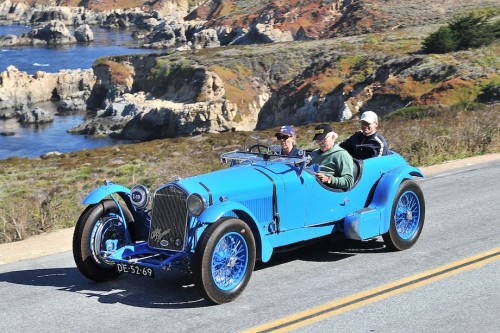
[367, 142]
[336, 165]
[287, 139]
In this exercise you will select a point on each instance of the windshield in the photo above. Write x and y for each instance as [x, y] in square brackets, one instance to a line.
[261, 147]
[262, 143]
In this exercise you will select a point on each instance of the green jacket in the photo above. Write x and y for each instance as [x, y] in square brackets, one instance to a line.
[336, 163]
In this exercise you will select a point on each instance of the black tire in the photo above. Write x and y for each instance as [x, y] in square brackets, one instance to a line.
[97, 224]
[219, 276]
[407, 217]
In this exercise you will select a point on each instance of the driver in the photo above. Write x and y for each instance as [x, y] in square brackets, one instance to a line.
[287, 139]
[336, 164]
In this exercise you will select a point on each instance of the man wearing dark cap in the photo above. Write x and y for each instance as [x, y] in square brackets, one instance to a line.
[336, 165]
[367, 142]
[286, 137]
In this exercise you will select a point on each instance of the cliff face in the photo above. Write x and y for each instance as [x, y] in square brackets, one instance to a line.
[146, 97]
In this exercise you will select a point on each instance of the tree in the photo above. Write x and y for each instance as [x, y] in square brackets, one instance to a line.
[441, 41]
[470, 30]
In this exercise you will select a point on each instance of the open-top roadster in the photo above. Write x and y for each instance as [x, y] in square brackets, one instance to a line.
[216, 225]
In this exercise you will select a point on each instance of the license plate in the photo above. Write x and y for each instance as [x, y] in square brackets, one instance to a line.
[135, 270]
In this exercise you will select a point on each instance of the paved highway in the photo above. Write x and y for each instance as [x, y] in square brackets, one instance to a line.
[448, 282]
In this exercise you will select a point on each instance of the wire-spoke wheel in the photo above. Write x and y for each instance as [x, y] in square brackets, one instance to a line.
[224, 260]
[407, 217]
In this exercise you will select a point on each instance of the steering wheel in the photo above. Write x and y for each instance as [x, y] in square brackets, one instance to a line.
[258, 148]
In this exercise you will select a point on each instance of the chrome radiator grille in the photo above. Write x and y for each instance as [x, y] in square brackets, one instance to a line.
[169, 219]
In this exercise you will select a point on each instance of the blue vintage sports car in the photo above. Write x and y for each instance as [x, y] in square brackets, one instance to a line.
[216, 225]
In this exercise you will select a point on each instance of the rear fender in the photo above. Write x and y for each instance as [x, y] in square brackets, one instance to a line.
[386, 191]
[230, 208]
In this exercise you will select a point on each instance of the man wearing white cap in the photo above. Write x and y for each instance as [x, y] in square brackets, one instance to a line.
[367, 142]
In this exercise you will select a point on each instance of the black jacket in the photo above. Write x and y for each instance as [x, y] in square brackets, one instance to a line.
[363, 147]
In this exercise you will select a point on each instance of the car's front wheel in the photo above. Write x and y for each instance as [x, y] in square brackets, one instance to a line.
[224, 260]
[407, 217]
[99, 228]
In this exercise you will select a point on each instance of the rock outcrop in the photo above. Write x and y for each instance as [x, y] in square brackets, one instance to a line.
[54, 33]
[35, 116]
[84, 34]
[141, 117]
[184, 101]
[19, 90]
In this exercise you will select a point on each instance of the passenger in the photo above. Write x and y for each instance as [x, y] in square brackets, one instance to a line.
[336, 165]
[287, 139]
[367, 142]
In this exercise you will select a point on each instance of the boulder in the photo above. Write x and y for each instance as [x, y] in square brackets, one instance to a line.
[54, 33]
[13, 40]
[68, 106]
[36, 116]
[51, 154]
[84, 34]
[206, 38]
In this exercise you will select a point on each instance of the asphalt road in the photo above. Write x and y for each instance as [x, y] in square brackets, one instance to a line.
[448, 282]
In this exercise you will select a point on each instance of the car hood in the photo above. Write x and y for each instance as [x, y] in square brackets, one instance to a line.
[238, 183]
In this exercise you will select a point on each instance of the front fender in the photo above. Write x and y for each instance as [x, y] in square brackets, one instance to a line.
[103, 191]
[215, 212]
[386, 191]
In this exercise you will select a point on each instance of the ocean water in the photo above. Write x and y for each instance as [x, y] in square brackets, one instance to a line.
[35, 140]
[52, 59]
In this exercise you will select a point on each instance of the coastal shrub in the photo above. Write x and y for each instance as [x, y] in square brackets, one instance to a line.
[470, 30]
[118, 72]
[441, 41]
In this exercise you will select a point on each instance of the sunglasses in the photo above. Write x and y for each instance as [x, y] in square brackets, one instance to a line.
[282, 137]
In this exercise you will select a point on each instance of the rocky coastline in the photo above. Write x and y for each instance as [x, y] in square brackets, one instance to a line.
[215, 79]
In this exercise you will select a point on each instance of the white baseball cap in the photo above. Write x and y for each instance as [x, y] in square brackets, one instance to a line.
[370, 117]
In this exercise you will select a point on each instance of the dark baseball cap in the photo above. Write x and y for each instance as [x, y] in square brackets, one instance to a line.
[321, 131]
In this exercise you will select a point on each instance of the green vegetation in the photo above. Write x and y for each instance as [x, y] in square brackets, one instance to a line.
[471, 30]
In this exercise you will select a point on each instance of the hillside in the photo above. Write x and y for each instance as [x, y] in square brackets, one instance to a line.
[248, 87]
[316, 61]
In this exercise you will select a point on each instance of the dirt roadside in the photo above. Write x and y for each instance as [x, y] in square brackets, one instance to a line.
[61, 240]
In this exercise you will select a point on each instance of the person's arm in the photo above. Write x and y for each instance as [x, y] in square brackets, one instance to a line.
[379, 145]
[345, 177]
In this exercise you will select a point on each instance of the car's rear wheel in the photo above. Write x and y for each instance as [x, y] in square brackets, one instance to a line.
[100, 227]
[407, 217]
[224, 260]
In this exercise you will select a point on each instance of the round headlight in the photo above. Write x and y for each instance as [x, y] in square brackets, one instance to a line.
[139, 195]
[195, 204]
